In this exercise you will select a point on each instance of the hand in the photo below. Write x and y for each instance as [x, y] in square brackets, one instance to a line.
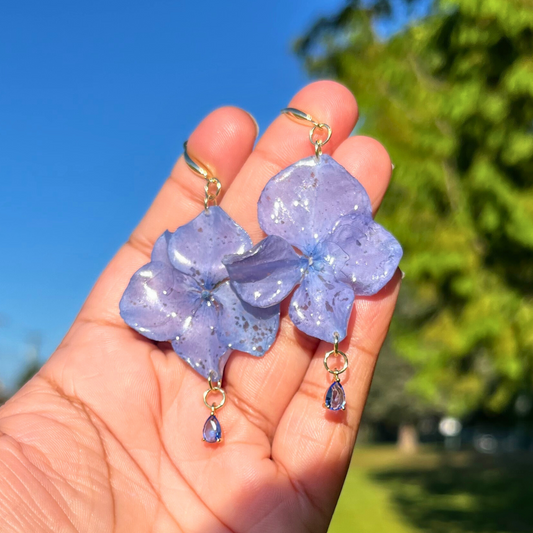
[107, 437]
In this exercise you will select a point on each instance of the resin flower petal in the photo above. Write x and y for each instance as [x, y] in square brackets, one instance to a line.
[198, 343]
[329, 255]
[325, 213]
[265, 275]
[158, 301]
[373, 254]
[302, 203]
[183, 296]
[243, 327]
[197, 249]
[322, 305]
[160, 249]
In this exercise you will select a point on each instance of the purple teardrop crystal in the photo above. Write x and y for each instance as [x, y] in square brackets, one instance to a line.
[212, 430]
[335, 397]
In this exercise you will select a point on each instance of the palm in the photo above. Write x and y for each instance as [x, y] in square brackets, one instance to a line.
[108, 436]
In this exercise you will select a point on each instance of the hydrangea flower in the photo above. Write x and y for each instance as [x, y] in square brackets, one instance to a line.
[183, 296]
[321, 236]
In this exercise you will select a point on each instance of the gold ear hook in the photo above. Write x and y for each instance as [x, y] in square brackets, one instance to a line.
[195, 167]
[296, 113]
[210, 196]
[318, 143]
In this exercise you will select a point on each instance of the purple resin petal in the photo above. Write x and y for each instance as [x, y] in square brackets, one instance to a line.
[303, 202]
[243, 327]
[330, 255]
[373, 254]
[198, 343]
[160, 249]
[158, 301]
[265, 275]
[322, 305]
[181, 296]
[198, 247]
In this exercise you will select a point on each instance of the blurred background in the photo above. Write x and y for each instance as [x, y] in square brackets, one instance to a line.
[95, 102]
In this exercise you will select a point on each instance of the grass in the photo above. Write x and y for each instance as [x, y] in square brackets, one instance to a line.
[435, 492]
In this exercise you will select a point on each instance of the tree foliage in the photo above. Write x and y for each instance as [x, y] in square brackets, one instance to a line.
[451, 98]
[389, 404]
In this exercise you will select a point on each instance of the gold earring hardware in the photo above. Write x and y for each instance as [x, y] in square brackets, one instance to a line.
[336, 352]
[210, 180]
[214, 388]
[320, 126]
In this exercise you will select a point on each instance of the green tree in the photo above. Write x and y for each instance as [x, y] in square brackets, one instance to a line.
[451, 98]
[390, 405]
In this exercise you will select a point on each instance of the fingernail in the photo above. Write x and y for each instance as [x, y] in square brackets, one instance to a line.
[255, 122]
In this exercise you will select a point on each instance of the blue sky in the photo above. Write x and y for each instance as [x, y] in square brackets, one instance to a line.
[96, 100]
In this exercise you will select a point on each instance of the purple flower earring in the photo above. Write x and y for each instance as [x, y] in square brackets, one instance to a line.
[321, 238]
[183, 296]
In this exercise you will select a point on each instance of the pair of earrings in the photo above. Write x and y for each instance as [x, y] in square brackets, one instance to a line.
[208, 291]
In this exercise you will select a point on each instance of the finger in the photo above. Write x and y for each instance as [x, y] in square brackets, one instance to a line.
[222, 142]
[285, 142]
[263, 388]
[311, 438]
[368, 161]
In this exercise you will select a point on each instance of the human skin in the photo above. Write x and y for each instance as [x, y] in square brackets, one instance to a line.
[107, 436]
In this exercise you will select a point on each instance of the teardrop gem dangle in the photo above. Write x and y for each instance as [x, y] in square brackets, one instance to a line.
[335, 397]
[212, 430]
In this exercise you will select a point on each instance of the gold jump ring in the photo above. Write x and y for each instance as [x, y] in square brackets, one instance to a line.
[320, 126]
[336, 372]
[214, 406]
[318, 143]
